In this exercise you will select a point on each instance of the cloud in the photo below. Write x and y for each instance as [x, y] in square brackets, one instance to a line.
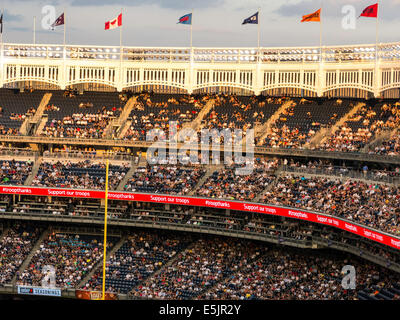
[169, 4]
[19, 29]
[12, 17]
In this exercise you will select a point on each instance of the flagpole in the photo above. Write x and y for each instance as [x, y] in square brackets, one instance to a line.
[120, 34]
[65, 25]
[258, 37]
[320, 33]
[376, 49]
[377, 33]
[121, 77]
[191, 33]
[1, 37]
[2, 23]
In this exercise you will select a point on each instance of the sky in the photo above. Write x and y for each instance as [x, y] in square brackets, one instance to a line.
[216, 23]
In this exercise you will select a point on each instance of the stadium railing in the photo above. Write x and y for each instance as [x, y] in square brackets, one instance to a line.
[336, 171]
[358, 156]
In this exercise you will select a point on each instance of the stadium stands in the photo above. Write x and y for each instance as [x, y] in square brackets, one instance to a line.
[299, 123]
[72, 255]
[359, 130]
[15, 246]
[138, 258]
[157, 111]
[226, 184]
[187, 265]
[197, 269]
[165, 179]
[15, 107]
[80, 116]
[375, 205]
[14, 172]
[83, 175]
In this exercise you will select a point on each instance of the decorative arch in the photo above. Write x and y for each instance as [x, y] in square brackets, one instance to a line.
[156, 87]
[223, 84]
[349, 86]
[289, 86]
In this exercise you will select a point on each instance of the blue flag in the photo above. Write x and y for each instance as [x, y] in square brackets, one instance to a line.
[253, 19]
[186, 19]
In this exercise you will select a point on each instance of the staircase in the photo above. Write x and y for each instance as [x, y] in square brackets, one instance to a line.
[41, 126]
[169, 263]
[326, 133]
[128, 175]
[210, 170]
[100, 263]
[123, 129]
[278, 172]
[34, 172]
[33, 120]
[118, 123]
[196, 123]
[30, 255]
[378, 139]
[265, 129]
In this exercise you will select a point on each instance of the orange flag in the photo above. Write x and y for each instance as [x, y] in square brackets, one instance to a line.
[316, 16]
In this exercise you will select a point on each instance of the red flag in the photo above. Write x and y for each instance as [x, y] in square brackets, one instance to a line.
[315, 16]
[370, 11]
[112, 24]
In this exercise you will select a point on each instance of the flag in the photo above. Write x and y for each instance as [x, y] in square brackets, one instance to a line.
[253, 19]
[112, 24]
[316, 16]
[1, 23]
[186, 19]
[59, 21]
[370, 11]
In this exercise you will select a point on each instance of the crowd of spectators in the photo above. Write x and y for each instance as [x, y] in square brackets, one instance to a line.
[372, 204]
[139, 257]
[227, 184]
[231, 112]
[295, 275]
[82, 174]
[156, 113]
[326, 167]
[157, 265]
[301, 120]
[72, 256]
[14, 172]
[15, 246]
[390, 147]
[362, 127]
[79, 125]
[176, 179]
[197, 269]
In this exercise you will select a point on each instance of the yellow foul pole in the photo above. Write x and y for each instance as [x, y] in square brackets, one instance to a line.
[105, 235]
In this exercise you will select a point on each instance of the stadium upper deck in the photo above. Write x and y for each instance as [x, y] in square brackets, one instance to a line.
[357, 70]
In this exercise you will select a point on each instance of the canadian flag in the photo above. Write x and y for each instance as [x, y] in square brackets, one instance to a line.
[112, 24]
